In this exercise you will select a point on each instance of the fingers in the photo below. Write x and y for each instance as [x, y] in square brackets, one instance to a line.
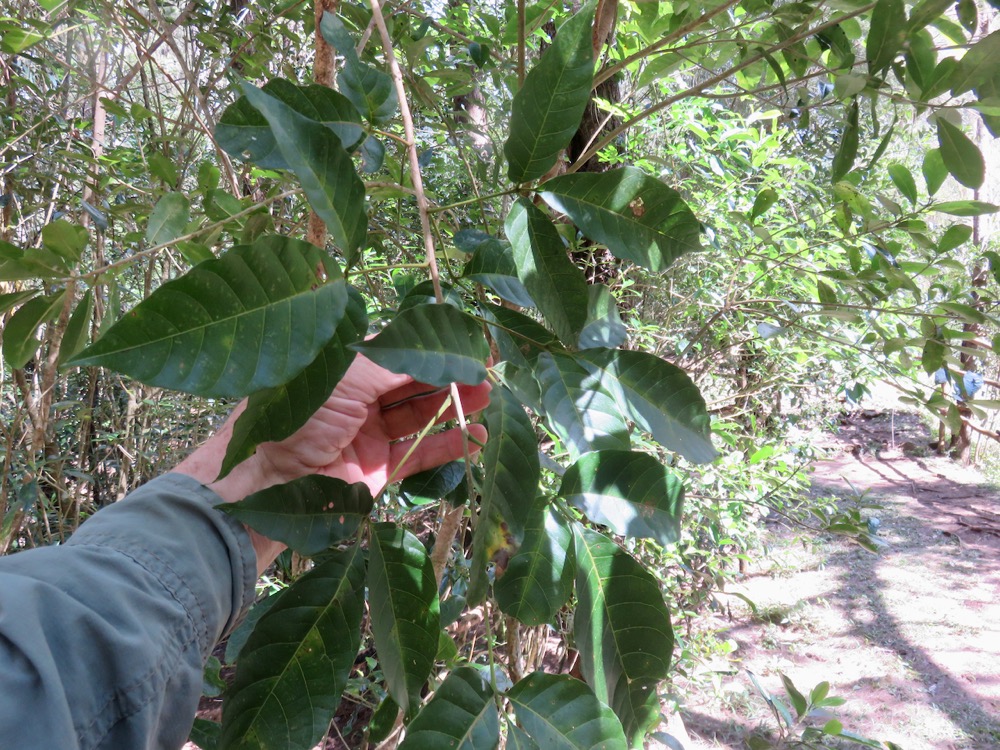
[412, 415]
[434, 450]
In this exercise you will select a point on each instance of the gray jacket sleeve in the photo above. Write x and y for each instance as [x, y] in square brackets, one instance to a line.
[103, 640]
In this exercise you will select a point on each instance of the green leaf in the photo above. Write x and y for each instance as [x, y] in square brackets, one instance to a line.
[432, 485]
[632, 493]
[539, 578]
[309, 515]
[926, 12]
[65, 240]
[16, 41]
[826, 294]
[932, 357]
[554, 283]
[10, 300]
[579, 406]
[885, 35]
[934, 170]
[799, 702]
[326, 172]
[904, 182]
[169, 219]
[847, 151]
[510, 481]
[205, 734]
[546, 112]
[296, 662]
[77, 332]
[658, 396]
[559, 712]
[461, 716]
[764, 200]
[518, 739]
[518, 337]
[955, 236]
[435, 344]
[276, 413]
[492, 265]
[960, 155]
[251, 319]
[978, 66]
[405, 616]
[371, 90]
[604, 323]
[622, 630]
[965, 208]
[638, 217]
[243, 129]
[19, 342]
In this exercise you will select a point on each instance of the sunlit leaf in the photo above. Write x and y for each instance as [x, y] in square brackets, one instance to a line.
[965, 208]
[295, 664]
[462, 715]
[251, 319]
[604, 323]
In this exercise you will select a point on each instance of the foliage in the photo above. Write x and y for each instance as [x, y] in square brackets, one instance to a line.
[654, 226]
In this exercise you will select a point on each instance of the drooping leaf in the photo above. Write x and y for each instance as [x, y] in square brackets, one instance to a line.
[461, 716]
[77, 332]
[370, 89]
[492, 265]
[510, 480]
[622, 630]
[638, 217]
[904, 182]
[405, 615]
[309, 515]
[559, 712]
[847, 151]
[978, 66]
[632, 493]
[579, 406]
[296, 662]
[435, 344]
[658, 396]
[546, 111]
[885, 35]
[539, 578]
[554, 283]
[276, 413]
[315, 154]
[251, 319]
[244, 129]
[170, 216]
[961, 156]
[604, 324]
[19, 342]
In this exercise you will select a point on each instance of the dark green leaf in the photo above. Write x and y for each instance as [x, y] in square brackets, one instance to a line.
[826, 293]
[579, 406]
[638, 217]
[799, 702]
[904, 182]
[405, 617]
[19, 342]
[169, 218]
[932, 357]
[658, 396]
[518, 739]
[372, 155]
[326, 172]
[492, 265]
[462, 715]
[370, 89]
[978, 66]
[886, 35]
[764, 200]
[934, 170]
[518, 337]
[961, 156]
[276, 413]
[77, 332]
[632, 493]
[435, 344]
[225, 328]
[539, 578]
[965, 208]
[238, 638]
[968, 16]
[847, 151]
[309, 515]
[622, 630]
[926, 12]
[467, 240]
[604, 324]
[383, 720]
[559, 712]
[243, 129]
[546, 111]
[554, 283]
[510, 481]
[296, 662]
[434, 484]
[205, 734]
[10, 300]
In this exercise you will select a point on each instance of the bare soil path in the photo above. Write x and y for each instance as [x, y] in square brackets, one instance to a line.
[910, 637]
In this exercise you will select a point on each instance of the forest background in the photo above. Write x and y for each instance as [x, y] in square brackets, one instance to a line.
[666, 231]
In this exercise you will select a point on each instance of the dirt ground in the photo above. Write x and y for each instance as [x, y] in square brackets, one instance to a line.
[910, 637]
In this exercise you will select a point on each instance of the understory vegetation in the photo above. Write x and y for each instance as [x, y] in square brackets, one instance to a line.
[665, 231]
